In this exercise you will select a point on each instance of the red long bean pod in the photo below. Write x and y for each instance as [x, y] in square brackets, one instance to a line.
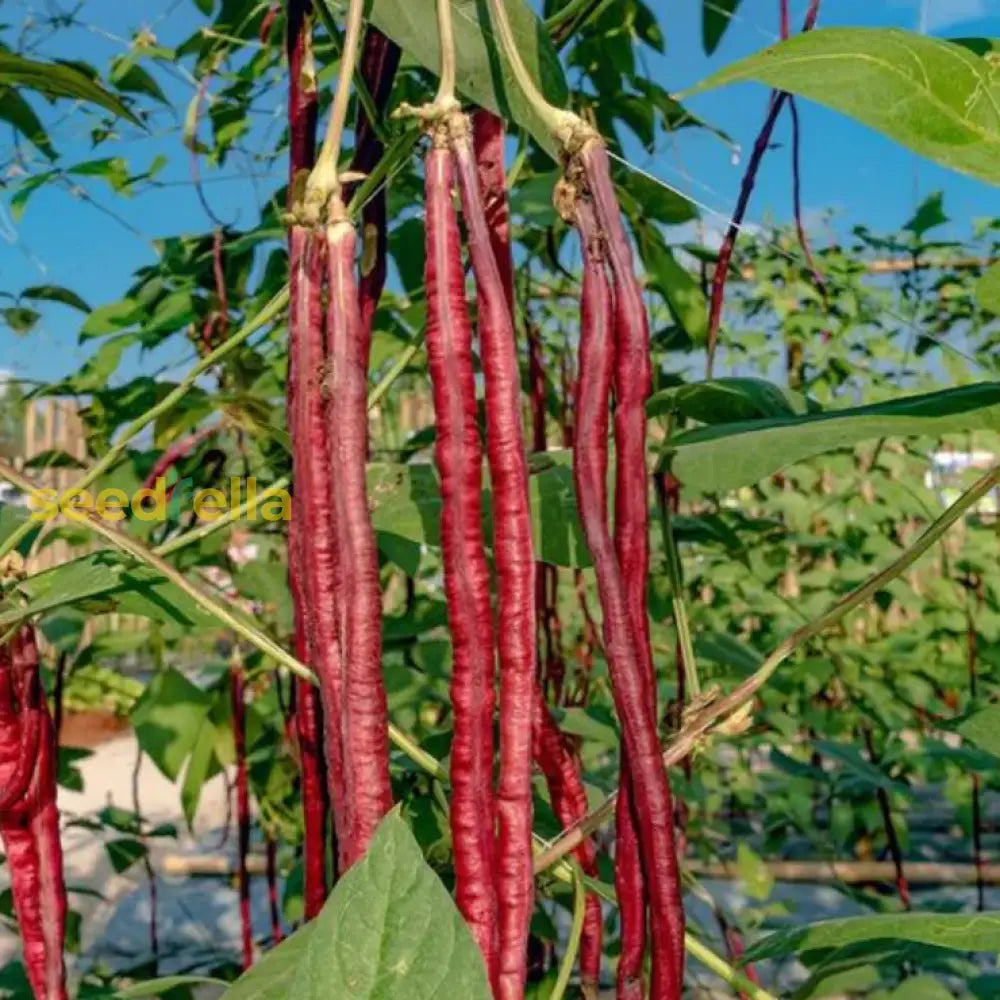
[311, 463]
[237, 690]
[307, 273]
[366, 747]
[632, 381]
[514, 554]
[488, 135]
[379, 62]
[303, 98]
[561, 768]
[626, 664]
[30, 826]
[458, 452]
[308, 732]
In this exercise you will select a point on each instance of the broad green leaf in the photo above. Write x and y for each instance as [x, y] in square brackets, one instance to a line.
[272, 977]
[716, 16]
[921, 988]
[110, 318]
[932, 96]
[157, 987]
[168, 718]
[11, 519]
[729, 400]
[59, 80]
[16, 111]
[677, 286]
[104, 575]
[727, 456]
[389, 931]
[956, 931]
[406, 507]
[55, 293]
[484, 77]
[983, 729]
[987, 289]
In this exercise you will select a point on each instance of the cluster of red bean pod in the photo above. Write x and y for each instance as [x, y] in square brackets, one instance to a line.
[29, 818]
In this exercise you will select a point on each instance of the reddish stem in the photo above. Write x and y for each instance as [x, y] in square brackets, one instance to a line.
[238, 695]
[274, 903]
[177, 452]
[561, 768]
[760, 147]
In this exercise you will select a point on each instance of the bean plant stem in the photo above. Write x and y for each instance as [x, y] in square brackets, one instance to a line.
[365, 98]
[555, 119]
[675, 575]
[325, 178]
[575, 933]
[733, 708]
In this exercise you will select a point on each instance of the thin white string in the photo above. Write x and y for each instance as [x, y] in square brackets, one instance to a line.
[732, 15]
[758, 233]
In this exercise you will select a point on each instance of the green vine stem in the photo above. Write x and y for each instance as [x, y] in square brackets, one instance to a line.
[365, 98]
[575, 933]
[734, 709]
[675, 576]
[730, 976]
[208, 529]
[324, 183]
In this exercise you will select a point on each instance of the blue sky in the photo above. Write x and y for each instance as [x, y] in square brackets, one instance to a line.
[861, 176]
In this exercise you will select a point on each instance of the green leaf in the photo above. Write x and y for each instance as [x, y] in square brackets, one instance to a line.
[168, 718]
[928, 216]
[59, 80]
[678, 287]
[127, 76]
[16, 111]
[932, 96]
[389, 931]
[55, 293]
[106, 575]
[755, 876]
[729, 400]
[983, 730]
[110, 318]
[716, 16]
[157, 987]
[956, 931]
[20, 319]
[484, 76]
[11, 519]
[406, 507]
[987, 289]
[125, 852]
[727, 456]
